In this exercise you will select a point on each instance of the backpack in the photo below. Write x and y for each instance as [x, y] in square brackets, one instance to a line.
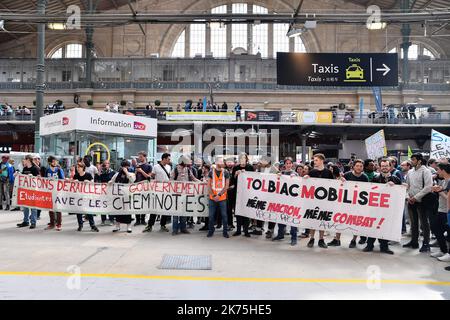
[190, 173]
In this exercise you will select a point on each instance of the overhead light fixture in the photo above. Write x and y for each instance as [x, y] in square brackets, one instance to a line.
[294, 32]
[2, 25]
[57, 26]
[376, 25]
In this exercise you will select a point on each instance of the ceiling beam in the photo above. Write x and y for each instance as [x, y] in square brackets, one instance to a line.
[440, 28]
[135, 14]
[63, 4]
[426, 4]
[114, 3]
[8, 9]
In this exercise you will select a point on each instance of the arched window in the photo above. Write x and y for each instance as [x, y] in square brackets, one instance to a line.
[71, 50]
[239, 38]
[198, 40]
[260, 37]
[179, 48]
[415, 51]
[299, 45]
[280, 40]
[213, 36]
[219, 35]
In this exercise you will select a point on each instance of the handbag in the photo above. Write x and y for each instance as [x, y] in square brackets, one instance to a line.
[430, 199]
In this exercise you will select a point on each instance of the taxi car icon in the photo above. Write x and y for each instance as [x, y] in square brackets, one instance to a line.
[355, 72]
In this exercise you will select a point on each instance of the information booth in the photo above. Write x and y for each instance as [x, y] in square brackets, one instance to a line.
[103, 135]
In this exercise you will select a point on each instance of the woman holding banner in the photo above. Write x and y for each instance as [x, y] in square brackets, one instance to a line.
[82, 176]
[124, 177]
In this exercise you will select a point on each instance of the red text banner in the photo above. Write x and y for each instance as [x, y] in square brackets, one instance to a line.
[169, 198]
[358, 208]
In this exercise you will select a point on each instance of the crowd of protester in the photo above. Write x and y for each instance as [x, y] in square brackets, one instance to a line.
[426, 205]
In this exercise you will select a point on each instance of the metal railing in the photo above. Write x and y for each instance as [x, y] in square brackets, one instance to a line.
[239, 72]
[346, 117]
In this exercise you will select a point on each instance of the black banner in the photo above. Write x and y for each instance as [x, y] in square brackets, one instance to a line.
[264, 116]
[338, 69]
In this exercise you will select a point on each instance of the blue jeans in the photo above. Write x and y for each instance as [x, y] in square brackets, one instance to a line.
[26, 215]
[282, 229]
[178, 223]
[222, 205]
[90, 218]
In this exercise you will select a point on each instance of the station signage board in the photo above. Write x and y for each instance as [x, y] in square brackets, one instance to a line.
[262, 116]
[337, 69]
[98, 121]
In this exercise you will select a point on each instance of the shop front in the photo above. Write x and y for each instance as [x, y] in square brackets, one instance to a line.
[102, 135]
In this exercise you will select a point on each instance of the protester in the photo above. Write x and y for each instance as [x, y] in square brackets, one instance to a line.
[105, 175]
[161, 173]
[182, 172]
[143, 172]
[288, 171]
[82, 176]
[90, 167]
[419, 182]
[439, 222]
[319, 172]
[54, 171]
[243, 166]
[6, 180]
[42, 169]
[29, 169]
[218, 183]
[357, 175]
[385, 177]
[265, 167]
[405, 166]
[123, 177]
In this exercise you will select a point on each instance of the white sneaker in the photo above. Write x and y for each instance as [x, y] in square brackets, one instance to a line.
[445, 258]
[437, 254]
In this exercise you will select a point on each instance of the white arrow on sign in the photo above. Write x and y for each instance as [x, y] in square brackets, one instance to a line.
[386, 69]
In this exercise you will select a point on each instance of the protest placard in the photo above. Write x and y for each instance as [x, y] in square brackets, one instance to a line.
[376, 146]
[358, 208]
[177, 198]
[440, 145]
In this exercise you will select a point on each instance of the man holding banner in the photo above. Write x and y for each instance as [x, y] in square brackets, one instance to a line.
[384, 177]
[320, 172]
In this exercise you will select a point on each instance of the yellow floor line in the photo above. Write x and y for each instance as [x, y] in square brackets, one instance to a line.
[223, 279]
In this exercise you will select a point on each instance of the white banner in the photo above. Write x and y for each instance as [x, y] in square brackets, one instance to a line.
[440, 145]
[376, 146]
[357, 208]
[173, 198]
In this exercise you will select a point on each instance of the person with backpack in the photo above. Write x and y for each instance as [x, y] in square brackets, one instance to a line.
[182, 172]
[161, 173]
[54, 171]
[105, 175]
